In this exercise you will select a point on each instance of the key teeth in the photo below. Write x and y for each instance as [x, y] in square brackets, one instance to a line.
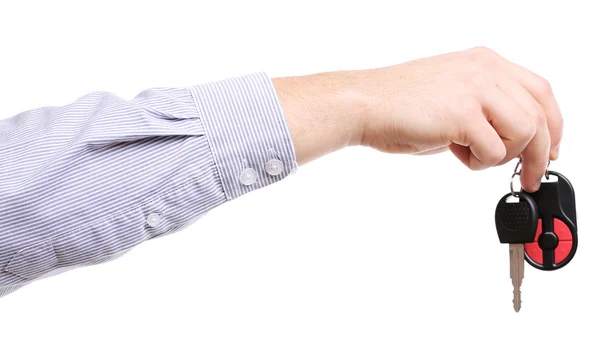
[517, 305]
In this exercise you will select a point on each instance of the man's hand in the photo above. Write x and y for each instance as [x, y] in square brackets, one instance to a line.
[483, 108]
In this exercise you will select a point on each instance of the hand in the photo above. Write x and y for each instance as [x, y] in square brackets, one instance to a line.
[483, 108]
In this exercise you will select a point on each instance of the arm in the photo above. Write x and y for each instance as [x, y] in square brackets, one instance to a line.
[85, 183]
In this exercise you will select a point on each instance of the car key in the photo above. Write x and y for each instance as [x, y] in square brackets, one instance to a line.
[555, 242]
[516, 224]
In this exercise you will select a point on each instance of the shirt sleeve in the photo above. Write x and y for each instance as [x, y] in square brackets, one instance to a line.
[85, 183]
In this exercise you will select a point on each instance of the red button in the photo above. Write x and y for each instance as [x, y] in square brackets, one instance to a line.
[562, 251]
[561, 230]
[534, 252]
[533, 249]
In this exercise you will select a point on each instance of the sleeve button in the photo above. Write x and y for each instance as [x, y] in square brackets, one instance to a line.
[153, 219]
[274, 167]
[248, 176]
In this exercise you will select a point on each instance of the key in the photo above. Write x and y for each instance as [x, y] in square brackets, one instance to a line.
[555, 242]
[517, 271]
[516, 224]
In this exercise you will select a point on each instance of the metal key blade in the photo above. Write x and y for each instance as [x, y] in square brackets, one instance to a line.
[517, 261]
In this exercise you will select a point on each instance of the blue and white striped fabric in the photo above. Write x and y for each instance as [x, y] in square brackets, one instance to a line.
[84, 183]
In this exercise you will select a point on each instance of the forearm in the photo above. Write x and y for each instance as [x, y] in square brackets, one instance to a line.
[325, 112]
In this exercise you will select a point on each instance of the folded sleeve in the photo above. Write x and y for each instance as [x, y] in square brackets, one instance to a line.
[84, 183]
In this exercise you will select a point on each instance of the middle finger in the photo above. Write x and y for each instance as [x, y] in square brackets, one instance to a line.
[536, 153]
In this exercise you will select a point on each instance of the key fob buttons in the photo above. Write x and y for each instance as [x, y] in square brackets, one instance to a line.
[555, 240]
[551, 248]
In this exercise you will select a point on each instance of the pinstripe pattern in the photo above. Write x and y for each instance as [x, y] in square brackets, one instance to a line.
[78, 182]
[261, 129]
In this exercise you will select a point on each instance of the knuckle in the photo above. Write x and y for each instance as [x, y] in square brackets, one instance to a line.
[481, 50]
[481, 60]
[526, 131]
[496, 155]
[539, 117]
[543, 86]
[480, 54]
[460, 134]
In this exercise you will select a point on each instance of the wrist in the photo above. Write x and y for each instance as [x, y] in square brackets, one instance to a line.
[325, 112]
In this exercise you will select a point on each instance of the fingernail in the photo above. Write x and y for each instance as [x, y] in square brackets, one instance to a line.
[536, 187]
[555, 151]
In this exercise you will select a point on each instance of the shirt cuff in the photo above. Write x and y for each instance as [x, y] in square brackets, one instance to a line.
[247, 132]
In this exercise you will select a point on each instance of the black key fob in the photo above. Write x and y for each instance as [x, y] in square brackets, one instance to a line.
[516, 222]
[555, 240]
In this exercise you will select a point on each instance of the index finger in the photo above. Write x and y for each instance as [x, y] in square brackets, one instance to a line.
[541, 90]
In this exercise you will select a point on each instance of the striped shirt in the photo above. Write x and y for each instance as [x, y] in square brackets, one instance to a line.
[85, 183]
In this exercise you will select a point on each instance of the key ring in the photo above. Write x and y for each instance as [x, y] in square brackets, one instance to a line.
[517, 172]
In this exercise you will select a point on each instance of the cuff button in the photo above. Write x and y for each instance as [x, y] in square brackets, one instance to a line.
[274, 167]
[248, 176]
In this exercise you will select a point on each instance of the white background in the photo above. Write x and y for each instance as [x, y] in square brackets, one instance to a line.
[358, 250]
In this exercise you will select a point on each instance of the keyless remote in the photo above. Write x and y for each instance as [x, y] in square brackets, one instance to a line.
[555, 241]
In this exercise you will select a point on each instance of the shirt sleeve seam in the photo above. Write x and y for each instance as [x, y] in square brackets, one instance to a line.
[210, 146]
